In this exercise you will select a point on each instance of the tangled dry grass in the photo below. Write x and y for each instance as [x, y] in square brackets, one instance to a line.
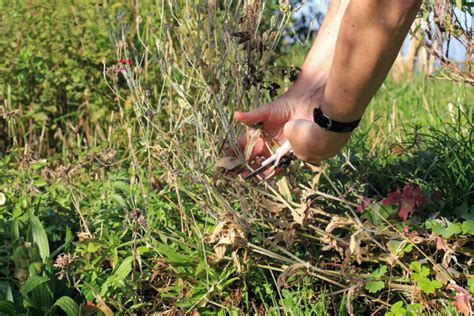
[214, 59]
[144, 210]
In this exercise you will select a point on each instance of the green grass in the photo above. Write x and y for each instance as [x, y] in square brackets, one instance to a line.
[112, 199]
[138, 258]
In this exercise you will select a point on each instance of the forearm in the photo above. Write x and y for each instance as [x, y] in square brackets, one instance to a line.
[316, 67]
[369, 39]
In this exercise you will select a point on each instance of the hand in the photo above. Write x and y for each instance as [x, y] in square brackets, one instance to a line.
[290, 117]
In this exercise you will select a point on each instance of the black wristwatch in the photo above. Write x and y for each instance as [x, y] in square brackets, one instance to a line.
[329, 124]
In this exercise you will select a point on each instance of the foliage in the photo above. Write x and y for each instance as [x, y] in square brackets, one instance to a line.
[33, 287]
[52, 58]
[137, 218]
[444, 22]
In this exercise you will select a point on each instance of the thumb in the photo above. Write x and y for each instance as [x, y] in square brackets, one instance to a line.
[258, 115]
[302, 136]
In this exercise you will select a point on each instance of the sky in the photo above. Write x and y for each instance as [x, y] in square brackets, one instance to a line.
[457, 51]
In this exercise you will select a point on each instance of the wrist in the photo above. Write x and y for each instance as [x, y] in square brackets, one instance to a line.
[328, 123]
[340, 112]
[312, 143]
[330, 143]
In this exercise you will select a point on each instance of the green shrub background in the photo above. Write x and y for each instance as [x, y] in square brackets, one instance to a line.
[52, 61]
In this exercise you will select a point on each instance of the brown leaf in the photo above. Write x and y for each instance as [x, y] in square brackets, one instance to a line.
[301, 213]
[215, 234]
[83, 236]
[289, 271]
[448, 255]
[331, 243]
[228, 163]
[272, 206]
[287, 236]
[220, 250]
[252, 136]
[104, 308]
[338, 221]
[444, 275]
[354, 246]
[226, 234]
[236, 260]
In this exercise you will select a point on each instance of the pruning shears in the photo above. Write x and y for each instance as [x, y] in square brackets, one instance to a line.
[280, 159]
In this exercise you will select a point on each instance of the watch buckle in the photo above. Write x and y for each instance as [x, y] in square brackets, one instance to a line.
[329, 120]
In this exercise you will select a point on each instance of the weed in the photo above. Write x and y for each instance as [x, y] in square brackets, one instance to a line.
[140, 220]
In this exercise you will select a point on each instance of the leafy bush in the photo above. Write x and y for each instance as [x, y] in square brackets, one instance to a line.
[52, 61]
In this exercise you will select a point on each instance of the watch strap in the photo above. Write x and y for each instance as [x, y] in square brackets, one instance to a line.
[324, 121]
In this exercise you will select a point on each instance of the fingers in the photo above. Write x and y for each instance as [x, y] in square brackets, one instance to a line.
[253, 117]
[259, 148]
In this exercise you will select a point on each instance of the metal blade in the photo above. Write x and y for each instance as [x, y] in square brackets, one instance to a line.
[261, 169]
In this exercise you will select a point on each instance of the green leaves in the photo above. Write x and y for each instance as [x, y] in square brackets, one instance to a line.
[450, 230]
[373, 286]
[7, 308]
[117, 278]
[173, 256]
[400, 309]
[397, 310]
[124, 269]
[31, 283]
[467, 227]
[429, 286]
[39, 236]
[399, 247]
[470, 284]
[380, 271]
[39, 294]
[420, 274]
[68, 305]
[447, 229]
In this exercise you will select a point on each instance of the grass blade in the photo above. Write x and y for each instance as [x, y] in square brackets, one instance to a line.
[39, 236]
[68, 305]
[32, 282]
[7, 308]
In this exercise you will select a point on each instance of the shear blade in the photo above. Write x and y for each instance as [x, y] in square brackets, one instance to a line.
[265, 165]
[257, 171]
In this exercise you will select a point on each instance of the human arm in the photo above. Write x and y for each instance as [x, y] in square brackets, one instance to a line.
[311, 81]
[369, 39]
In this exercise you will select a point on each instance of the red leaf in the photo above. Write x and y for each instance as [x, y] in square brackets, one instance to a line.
[365, 204]
[440, 245]
[393, 197]
[462, 304]
[126, 61]
[463, 301]
[410, 197]
[414, 193]
[406, 208]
